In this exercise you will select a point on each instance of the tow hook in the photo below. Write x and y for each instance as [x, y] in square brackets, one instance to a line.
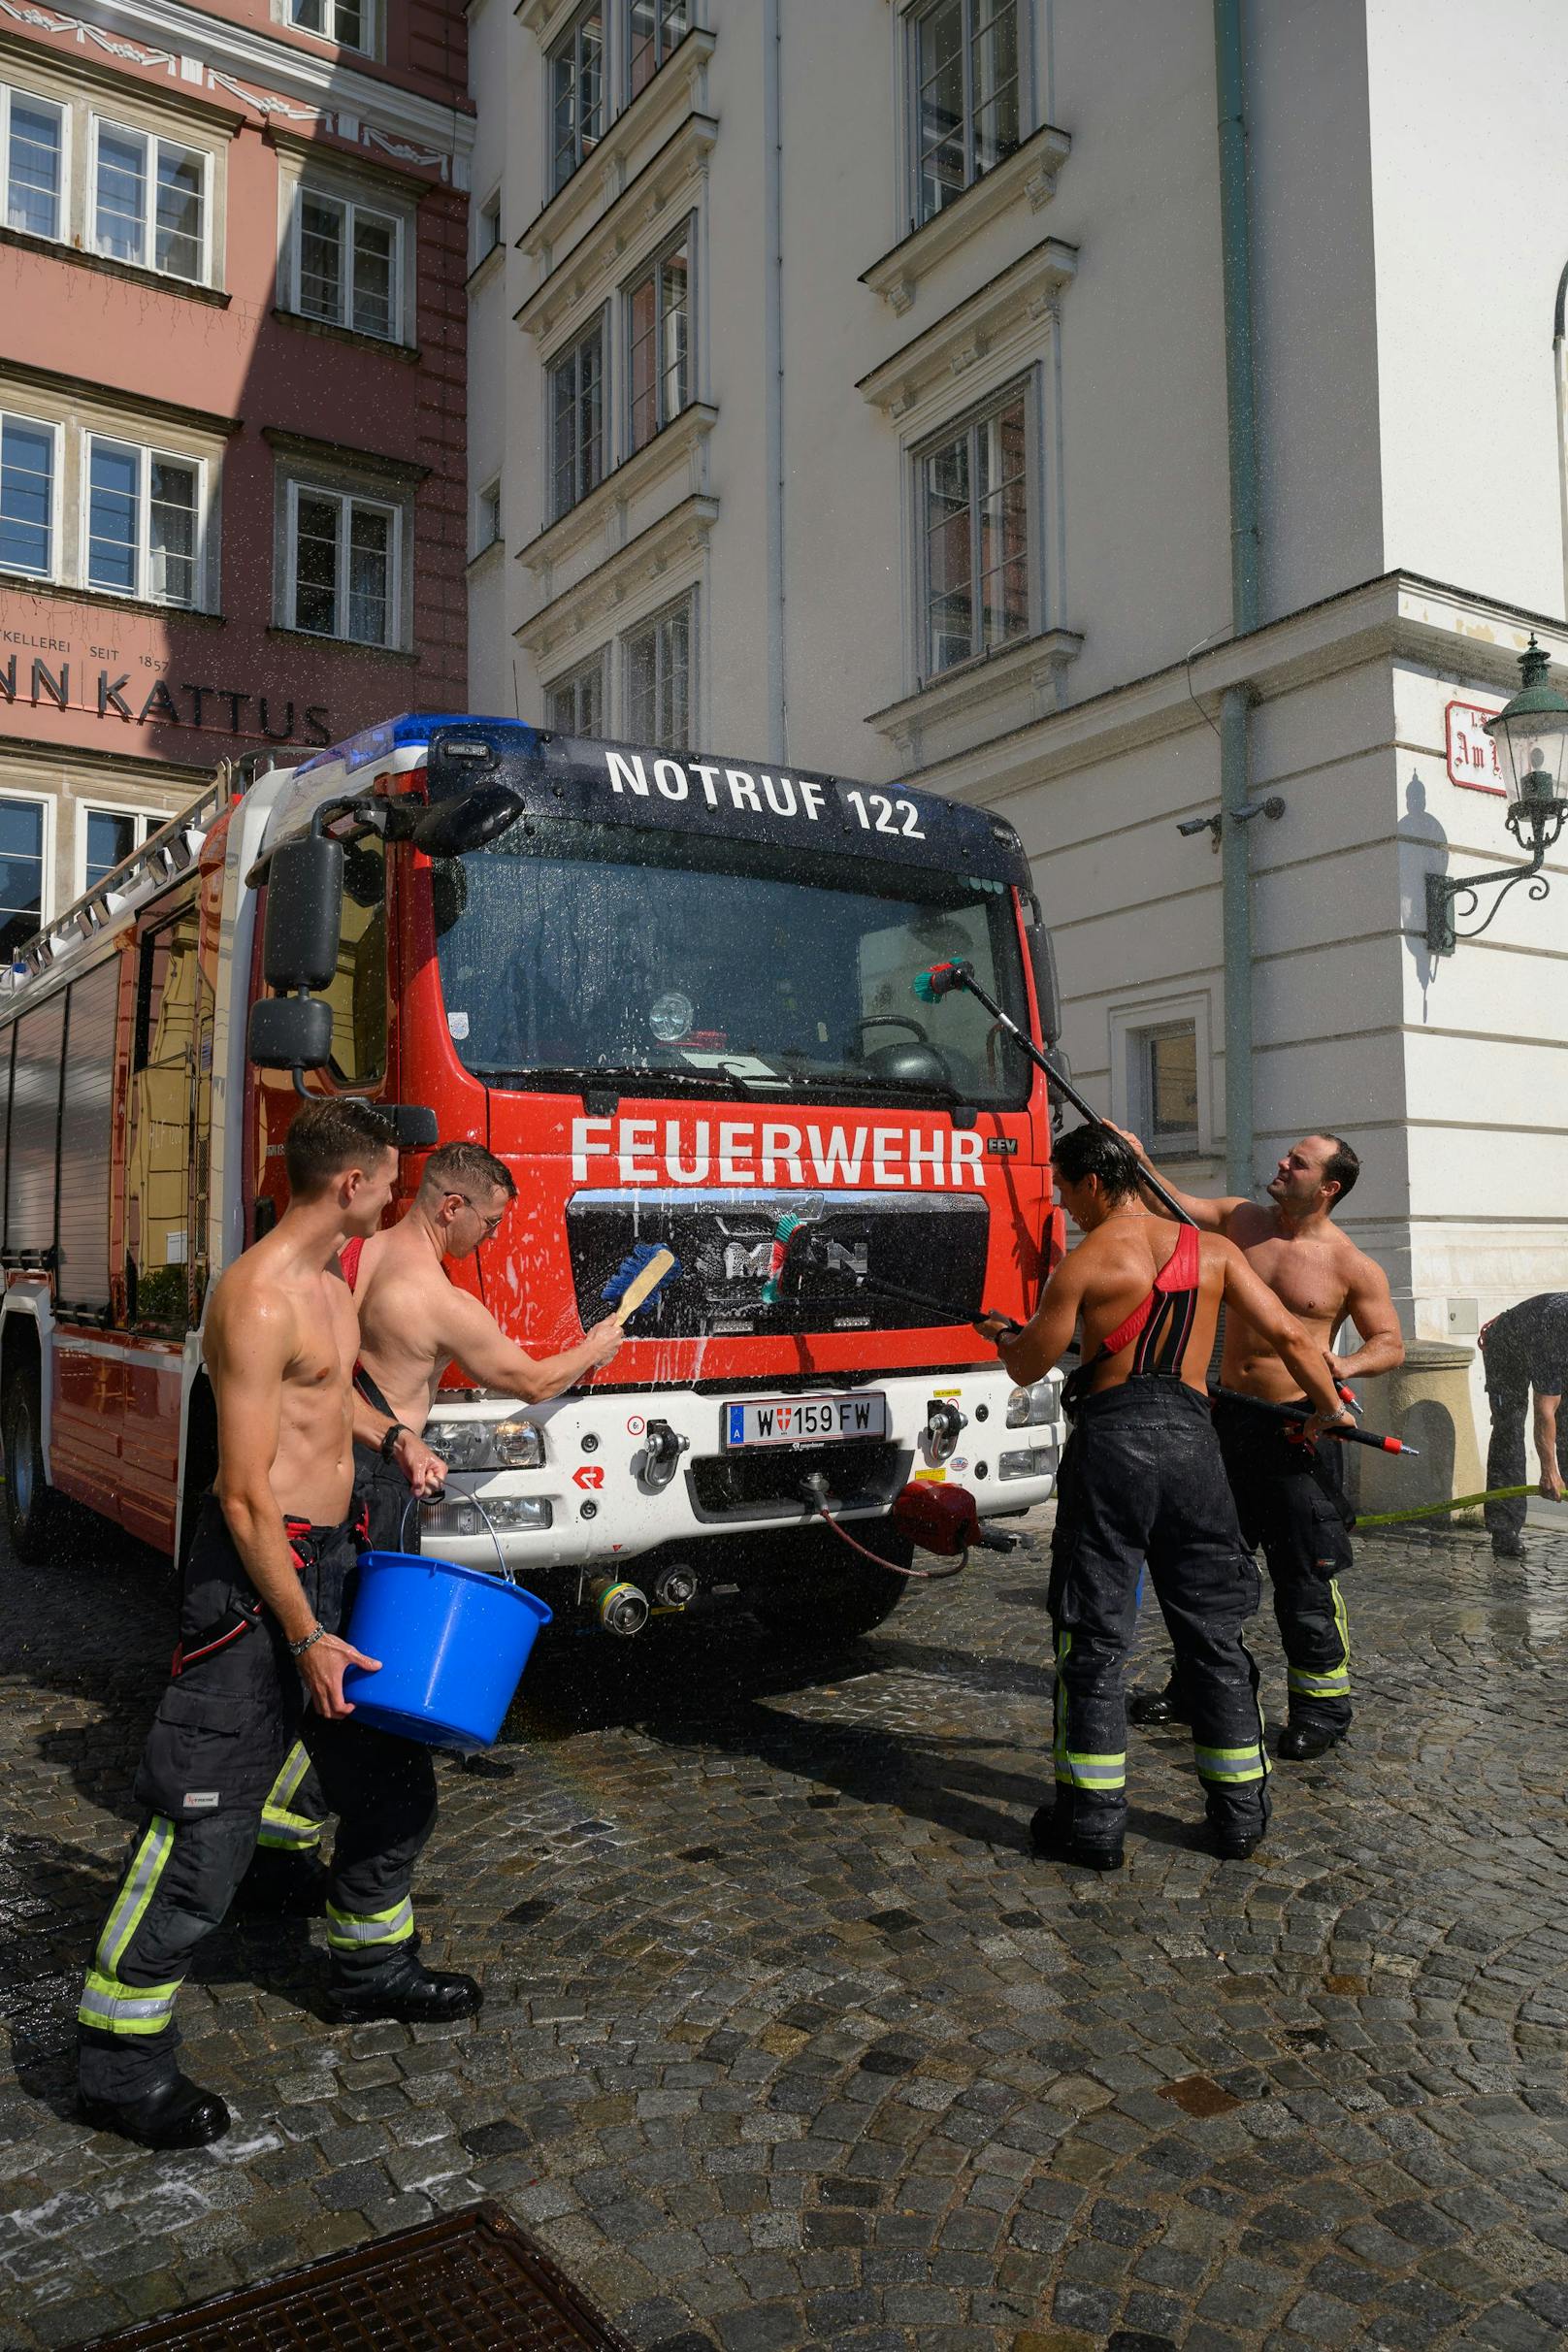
[661, 1450]
[944, 1424]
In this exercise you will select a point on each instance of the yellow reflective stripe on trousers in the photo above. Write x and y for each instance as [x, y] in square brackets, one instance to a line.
[1230, 1763]
[296, 1832]
[114, 2007]
[350, 1931]
[1091, 1772]
[1335, 1685]
[136, 1892]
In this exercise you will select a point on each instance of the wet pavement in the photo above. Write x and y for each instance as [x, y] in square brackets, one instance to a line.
[787, 2041]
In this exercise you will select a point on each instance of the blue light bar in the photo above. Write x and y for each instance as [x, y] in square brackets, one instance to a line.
[373, 743]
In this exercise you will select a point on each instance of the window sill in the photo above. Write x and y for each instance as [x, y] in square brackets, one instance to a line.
[655, 556]
[333, 644]
[1011, 305]
[682, 440]
[407, 354]
[185, 289]
[1035, 667]
[1029, 174]
[485, 560]
[107, 600]
[674, 89]
[606, 252]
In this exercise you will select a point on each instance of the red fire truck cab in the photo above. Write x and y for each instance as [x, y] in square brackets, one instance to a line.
[674, 996]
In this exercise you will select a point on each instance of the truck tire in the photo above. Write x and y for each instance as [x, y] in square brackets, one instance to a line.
[815, 1590]
[35, 1514]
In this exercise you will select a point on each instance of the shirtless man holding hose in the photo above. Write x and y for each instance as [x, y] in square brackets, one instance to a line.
[1141, 1479]
[1291, 1498]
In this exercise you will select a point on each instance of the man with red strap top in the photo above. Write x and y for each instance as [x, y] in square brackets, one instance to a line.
[1142, 1479]
[1290, 1497]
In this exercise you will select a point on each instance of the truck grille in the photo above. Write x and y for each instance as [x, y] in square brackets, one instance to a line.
[933, 1243]
[858, 1474]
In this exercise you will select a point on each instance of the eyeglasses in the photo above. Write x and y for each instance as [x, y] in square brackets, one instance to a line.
[492, 1225]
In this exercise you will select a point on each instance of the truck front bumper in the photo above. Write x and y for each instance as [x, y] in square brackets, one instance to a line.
[642, 1471]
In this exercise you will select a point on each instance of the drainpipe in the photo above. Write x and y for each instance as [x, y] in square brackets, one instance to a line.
[1235, 245]
[1557, 370]
[778, 702]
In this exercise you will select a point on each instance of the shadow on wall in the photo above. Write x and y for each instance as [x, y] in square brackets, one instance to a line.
[1423, 849]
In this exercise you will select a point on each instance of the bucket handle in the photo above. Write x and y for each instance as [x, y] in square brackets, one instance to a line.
[413, 1504]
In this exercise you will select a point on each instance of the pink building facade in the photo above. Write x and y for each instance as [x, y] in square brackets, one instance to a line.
[232, 504]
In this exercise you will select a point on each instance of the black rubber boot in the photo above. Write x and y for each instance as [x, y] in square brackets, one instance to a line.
[1299, 1741]
[283, 1885]
[1235, 1844]
[1507, 1547]
[1149, 1707]
[1051, 1835]
[178, 2114]
[405, 1990]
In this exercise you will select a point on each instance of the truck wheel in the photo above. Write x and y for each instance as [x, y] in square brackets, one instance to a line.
[816, 1589]
[34, 1513]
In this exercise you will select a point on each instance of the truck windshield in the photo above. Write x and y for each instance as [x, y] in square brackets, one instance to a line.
[690, 960]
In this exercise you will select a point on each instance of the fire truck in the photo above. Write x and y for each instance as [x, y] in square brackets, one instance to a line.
[674, 996]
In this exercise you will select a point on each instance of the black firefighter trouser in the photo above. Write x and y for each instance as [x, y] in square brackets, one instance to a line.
[1291, 1504]
[294, 1815]
[1508, 1396]
[1141, 1480]
[222, 1726]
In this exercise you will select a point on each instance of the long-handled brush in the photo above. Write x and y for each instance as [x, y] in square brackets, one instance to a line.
[940, 981]
[797, 1248]
[641, 1273]
[1295, 1413]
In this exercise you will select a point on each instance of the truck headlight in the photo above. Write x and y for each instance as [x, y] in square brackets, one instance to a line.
[462, 1445]
[506, 1515]
[519, 1445]
[1032, 1408]
[1033, 1461]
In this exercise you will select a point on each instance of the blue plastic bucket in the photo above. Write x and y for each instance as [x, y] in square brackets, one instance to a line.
[452, 1643]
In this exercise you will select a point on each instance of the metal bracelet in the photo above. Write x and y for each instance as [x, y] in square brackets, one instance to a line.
[296, 1650]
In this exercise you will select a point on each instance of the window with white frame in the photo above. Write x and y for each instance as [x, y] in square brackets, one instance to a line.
[1162, 1084]
[487, 231]
[973, 492]
[342, 562]
[487, 518]
[21, 872]
[576, 69]
[144, 515]
[967, 95]
[149, 201]
[106, 837]
[657, 341]
[29, 472]
[576, 392]
[653, 28]
[659, 679]
[347, 264]
[347, 22]
[32, 162]
[574, 704]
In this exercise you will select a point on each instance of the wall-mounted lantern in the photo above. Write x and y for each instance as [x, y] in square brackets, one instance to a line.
[1531, 735]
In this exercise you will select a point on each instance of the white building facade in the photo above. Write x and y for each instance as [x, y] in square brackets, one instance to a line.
[852, 384]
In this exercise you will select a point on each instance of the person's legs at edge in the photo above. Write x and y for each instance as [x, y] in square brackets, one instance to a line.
[1507, 1399]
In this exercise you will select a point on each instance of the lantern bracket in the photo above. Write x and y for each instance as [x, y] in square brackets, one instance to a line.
[1444, 894]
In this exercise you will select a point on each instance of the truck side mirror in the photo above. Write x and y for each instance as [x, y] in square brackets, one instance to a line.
[1043, 964]
[290, 1033]
[305, 888]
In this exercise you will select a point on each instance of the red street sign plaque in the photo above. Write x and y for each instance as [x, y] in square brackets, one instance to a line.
[1472, 754]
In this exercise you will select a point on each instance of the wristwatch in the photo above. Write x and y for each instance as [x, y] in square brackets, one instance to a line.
[318, 1633]
[389, 1443]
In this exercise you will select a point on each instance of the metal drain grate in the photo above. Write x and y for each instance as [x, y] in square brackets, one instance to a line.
[470, 2283]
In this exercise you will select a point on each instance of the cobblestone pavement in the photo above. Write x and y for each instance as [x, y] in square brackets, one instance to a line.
[788, 2042]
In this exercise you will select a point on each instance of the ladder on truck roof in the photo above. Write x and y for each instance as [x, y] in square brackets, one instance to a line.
[163, 856]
